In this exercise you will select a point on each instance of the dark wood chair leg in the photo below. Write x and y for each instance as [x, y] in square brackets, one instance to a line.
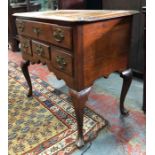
[79, 99]
[24, 67]
[127, 78]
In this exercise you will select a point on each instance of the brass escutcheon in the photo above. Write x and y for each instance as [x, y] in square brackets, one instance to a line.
[20, 26]
[61, 62]
[39, 50]
[25, 46]
[37, 31]
[58, 34]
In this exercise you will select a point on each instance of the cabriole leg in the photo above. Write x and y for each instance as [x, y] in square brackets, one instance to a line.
[127, 78]
[79, 99]
[24, 67]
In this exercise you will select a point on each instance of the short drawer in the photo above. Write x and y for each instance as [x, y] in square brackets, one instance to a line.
[61, 60]
[40, 50]
[25, 46]
[52, 33]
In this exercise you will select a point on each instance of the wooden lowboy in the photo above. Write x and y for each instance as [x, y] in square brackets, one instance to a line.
[79, 47]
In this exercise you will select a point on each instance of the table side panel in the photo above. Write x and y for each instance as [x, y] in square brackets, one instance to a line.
[106, 48]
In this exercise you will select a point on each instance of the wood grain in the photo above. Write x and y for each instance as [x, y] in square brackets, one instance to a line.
[106, 48]
[78, 15]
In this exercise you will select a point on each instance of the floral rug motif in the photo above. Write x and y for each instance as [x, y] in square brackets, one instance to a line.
[44, 124]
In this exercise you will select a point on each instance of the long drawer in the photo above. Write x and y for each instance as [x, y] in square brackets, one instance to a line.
[52, 33]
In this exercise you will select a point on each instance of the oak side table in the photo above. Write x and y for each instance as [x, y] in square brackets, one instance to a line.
[79, 46]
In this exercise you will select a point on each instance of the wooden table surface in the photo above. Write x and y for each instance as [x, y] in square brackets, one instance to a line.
[78, 15]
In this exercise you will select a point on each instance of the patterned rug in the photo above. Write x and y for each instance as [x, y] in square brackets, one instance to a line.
[44, 124]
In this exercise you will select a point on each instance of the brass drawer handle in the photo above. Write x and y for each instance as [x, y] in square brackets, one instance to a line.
[39, 50]
[20, 26]
[61, 62]
[58, 34]
[25, 46]
[37, 31]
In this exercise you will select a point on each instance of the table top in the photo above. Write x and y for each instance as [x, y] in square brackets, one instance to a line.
[77, 15]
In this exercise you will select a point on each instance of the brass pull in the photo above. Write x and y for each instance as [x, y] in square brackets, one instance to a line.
[37, 31]
[39, 50]
[61, 62]
[25, 46]
[58, 34]
[20, 26]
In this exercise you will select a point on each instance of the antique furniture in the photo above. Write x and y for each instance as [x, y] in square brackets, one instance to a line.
[14, 8]
[79, 47]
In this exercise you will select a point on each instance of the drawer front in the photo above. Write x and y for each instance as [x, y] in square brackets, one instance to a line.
[55, 34]
[62, 61]
[25, 46]
[40, 50]
[62, 36]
